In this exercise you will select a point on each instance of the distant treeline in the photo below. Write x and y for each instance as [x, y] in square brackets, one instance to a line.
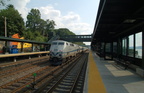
[35, 28]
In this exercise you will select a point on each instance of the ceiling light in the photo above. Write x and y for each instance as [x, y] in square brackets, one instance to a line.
[129, 20]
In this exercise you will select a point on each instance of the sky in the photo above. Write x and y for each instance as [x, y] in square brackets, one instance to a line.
[77, 15]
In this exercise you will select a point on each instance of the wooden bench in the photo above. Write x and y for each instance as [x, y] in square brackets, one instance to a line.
[125, 63]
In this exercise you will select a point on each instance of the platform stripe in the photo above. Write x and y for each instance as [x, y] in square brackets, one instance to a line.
[23, 54]
[95, 83]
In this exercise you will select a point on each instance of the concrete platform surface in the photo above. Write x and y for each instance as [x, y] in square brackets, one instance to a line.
[105, 76]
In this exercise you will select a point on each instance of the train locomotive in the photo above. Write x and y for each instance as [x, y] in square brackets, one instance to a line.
[61, 50]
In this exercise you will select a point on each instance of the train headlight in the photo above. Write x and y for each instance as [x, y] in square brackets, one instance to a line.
[60, 54]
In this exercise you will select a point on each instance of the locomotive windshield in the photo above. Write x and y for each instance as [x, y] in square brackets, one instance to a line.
[54, 43]
[61, 43]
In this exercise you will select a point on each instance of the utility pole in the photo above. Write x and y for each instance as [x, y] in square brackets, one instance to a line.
[5, 27]
[5, 23]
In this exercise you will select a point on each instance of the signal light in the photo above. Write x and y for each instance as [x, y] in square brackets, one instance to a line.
[60, 50]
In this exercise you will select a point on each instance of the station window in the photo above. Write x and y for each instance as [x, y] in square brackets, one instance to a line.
[124, 46]
[102, 47]
[138, 45]
[108, 47]
[115, 47]
[131, 46]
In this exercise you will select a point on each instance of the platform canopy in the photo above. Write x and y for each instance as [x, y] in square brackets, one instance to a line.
[118, 18]
[21, 40]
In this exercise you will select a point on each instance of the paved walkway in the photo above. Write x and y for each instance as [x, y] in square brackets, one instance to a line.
[111, 77]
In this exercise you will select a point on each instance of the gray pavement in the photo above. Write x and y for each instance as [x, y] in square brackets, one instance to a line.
[118, 80]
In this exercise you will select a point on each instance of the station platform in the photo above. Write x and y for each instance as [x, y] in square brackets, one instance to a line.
[105, 76]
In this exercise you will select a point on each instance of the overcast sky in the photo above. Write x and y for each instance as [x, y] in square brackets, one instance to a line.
[76, 15]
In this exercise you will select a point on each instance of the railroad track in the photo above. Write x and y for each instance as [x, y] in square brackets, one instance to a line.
[69, 80]
[12, 75]
[19, 67]
[20, 84]
[49, 76]
[4, 66]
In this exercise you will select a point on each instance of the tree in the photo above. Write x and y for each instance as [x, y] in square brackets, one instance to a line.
[28, 35]
[15, 23]
[63, 31]
[79, 43]
[42, 27]
[2, 2]
[39, 37]
[36, 36]
[33, 20]
[50, 25]
[36, 24]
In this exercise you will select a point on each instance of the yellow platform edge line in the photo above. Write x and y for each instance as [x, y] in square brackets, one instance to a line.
[95, 83]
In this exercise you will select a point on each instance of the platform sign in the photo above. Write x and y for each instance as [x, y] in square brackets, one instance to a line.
[27, 85]
[34, 74]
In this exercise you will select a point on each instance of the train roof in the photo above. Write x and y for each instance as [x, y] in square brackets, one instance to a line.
[59, 41]
[67, 42]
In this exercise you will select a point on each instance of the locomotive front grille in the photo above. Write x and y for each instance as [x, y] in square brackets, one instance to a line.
[55, 59]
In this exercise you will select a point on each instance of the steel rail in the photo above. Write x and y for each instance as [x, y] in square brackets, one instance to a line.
[53, 87]
[29, 75]
[78, 74]
[63, 66]
[3, 65]
[38, 79]
[20, 68]
[58, 81]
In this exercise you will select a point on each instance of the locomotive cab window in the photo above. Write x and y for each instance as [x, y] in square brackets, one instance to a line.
[54, 43]
[61, 43]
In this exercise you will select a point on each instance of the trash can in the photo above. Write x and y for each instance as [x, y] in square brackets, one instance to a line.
[14, 50]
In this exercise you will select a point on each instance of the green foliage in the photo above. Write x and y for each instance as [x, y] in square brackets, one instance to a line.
[3, 3]
[39, 37]
[36, 28]
[28, 35]
[39, 26]
[79, 43]
[15, 23]
[63, 31]
[36, 36]
[33, 19]
[50, 25]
